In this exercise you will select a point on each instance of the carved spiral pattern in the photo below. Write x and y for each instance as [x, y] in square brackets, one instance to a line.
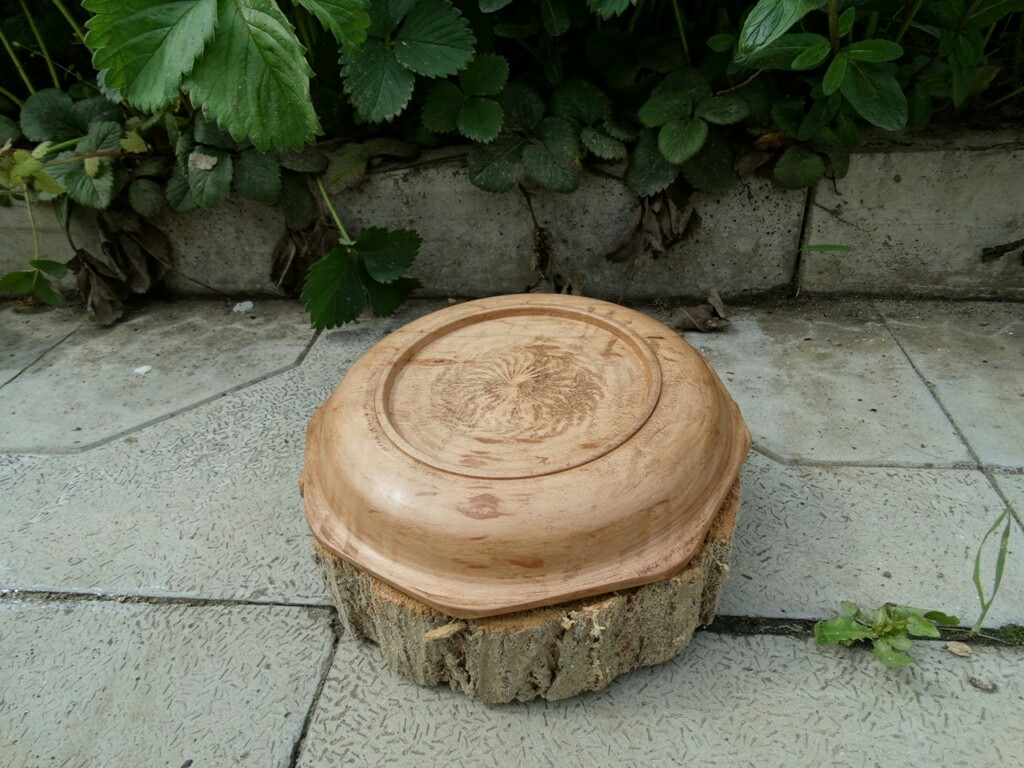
[524, 394]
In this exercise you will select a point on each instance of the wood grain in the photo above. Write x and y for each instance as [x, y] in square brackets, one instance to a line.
[521, 451]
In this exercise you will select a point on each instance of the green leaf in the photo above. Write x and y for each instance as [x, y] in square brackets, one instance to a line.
[846, 20]
[51, 268]
[781, 53]
[648, 171]
[497, 167]
[44, 290]
[297, 202]
[798, 168]
[17, 283]
[308, 160]
[680, 140]
[663, 108]
[257, 175]
[815, 120]
[206, 132]
[554, 163]
[47, 115]
[769, 20]
[145, 47]
[346, 19]
[876, 95]
[95, 109]
[721, 43]
[990, 11]
[711, 169]
[486, 75]
[522, 106]
[386, 15]
[490, 6]
[253, 78]
[608, 8]
[134, 143]
[209, 175]
[378, 85]
[938, 617]
[873, 50]
[835, 74]
[179, 194]
[347, 166]
[688, 82]
[829, 144]
[889, 656]
[580, 100]
[840, 630]
[146, 197]
[435, 40]
[387, 254]
[812, 56]
[98, 190]
[333, 294]
[722, 110]
[848, 131]
[385, 298]
[480, 119]
[899, 642]
[602, 145]
[921, 627]
[555, 16]
[9, 130]
[441, 108]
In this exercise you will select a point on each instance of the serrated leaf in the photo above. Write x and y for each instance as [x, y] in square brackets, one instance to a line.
[378, 85]
[133, 143]
[297, 202]
[145, 47]
[9, 131]
[522, 106]
[347, 166]
[47, 184]
[873, 50]
[486, 75]
[333, 294]
[69, 170]
[769, 20]
[680, 140]
[798, 168]
[346, 19]
[648, 171]
[555, 16]
[253, 78]
[722, 110]
[95, 109]
[711, 169]
[207, 132]
[689, 82]
[620, 129]
[46, 115]
[554, 163]
[490, 6]
[875, 94]
[387, 254]
[385, 298]
[602, 145]
[18, 282]
[609, 8]
[840, 630]
[497, 167]
[386, 15]
[209, 176]
[663, 108]
[480, 119]
[178, 192]
[580, 100]
[49, 267]
[145, 197]
[257, 175]
[435, 39]
[442, 105]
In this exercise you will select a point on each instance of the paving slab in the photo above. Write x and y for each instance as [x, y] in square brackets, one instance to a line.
[726, 701]
[28, 334]
[101, 382]
[126, 685]
[827, 383]
[203, 505]
[972, 353]
[811, 537]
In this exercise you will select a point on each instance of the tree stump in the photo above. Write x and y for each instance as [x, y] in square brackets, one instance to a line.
[553, 652]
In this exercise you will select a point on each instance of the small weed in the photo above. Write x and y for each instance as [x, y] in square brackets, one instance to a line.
[888, 628]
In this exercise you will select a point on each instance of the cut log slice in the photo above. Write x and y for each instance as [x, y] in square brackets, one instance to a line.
[552, 652]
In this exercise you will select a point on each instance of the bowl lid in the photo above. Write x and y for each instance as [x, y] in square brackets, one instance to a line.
[521, 451]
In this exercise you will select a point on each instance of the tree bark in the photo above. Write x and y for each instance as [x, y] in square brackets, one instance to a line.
[553, 652]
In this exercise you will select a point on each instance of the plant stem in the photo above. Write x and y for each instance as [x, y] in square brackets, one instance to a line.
[70, 19]
[345, 239]
[964, 18]
[63, 145]
[42, 45]
[913, 6]
[32, 225]
[17, 62]
[86, 156]
[4, 92]
[682, 30]
[833, 25]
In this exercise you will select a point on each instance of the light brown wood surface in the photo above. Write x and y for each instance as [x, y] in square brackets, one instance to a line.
[522, 451]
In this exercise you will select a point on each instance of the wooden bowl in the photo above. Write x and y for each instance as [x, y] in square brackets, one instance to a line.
[522, 451]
